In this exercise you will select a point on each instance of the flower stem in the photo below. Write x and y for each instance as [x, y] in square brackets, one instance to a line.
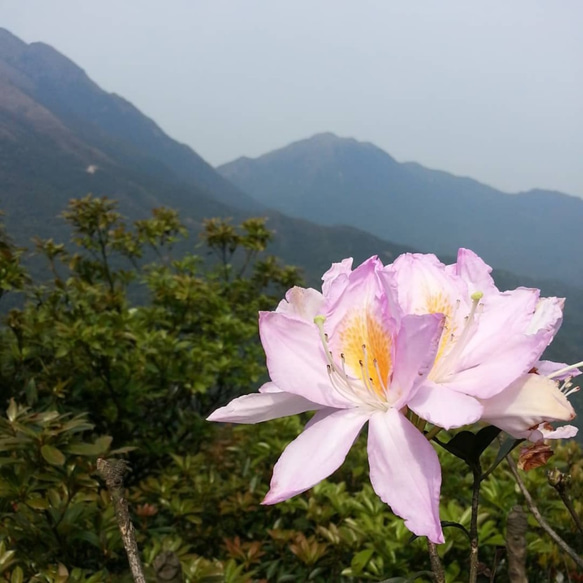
[436, 566]
[477, 473]
[538, 516]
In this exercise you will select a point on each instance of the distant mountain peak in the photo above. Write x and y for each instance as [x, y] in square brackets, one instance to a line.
[40, 61]
[55, 63]
[317, 154]
[10, 44]
[53, 84]
[323, 137]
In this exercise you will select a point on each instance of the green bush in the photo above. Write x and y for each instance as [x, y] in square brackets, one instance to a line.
[128, 346]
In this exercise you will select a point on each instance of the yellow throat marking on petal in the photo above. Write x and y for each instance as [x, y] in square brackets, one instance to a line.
[366, 347]
[438, 303]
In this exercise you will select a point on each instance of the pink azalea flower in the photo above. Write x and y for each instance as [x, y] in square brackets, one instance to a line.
[348, 354]
[490, 338]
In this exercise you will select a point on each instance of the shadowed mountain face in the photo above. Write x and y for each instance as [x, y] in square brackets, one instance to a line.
[64, 103]
[61, 136]
[335, 180]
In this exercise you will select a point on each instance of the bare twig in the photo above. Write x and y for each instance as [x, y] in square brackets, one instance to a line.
[436, 566]
[539, 518]
[516, 527]
[113, 471]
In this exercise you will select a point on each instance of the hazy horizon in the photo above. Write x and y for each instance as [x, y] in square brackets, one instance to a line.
[494, 92]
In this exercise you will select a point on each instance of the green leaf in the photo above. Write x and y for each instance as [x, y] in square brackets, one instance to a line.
[38, 503]
[17, 575]
[446, 523]
[52, 455]
[89, 537]
[483, 439]
[360, 560]
[460, 445]
[62, 351]
[470, 447]
[100, 446]
[31, 392]
[509, 444]
[11, 411]
[6, 557]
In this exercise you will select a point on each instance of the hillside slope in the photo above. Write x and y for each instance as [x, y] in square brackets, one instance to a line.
[61, 137]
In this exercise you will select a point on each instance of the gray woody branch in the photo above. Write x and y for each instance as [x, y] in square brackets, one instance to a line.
[113, 471]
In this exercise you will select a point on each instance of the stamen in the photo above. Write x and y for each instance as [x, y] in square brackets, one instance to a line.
[379, 376]
[365, 374]
[339, 379]
[365, 380]
[573, 390]
[459, 344]
[338, 387]
[343, 360]
[567, 388]
[567, 383]
[319, 321]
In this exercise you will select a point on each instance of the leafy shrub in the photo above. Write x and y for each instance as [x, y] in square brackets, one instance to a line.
[128, 346]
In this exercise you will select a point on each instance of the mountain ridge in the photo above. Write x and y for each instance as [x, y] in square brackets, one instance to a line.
[59, 141]
[110, 122]
[336, 180]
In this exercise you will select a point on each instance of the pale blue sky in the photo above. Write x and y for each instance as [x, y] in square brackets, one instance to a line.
[491, 90]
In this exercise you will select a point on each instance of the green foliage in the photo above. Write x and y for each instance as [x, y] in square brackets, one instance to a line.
[128, 346]
[86, 347]
[12, 274]
[52, 509]
[210, 503]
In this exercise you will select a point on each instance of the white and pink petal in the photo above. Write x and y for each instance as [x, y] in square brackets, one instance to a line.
[405, 472]
[444, 407]
[415, 348]
[265, 406]
[303, 303]
[474, 271]
[316, 453]
[423, 285]
[296, 360]
[525, 404]
[336, 276]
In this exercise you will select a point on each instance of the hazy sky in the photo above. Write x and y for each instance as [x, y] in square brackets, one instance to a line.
[492, 90]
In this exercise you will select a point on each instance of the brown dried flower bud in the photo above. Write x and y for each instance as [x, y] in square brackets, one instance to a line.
[534, 456]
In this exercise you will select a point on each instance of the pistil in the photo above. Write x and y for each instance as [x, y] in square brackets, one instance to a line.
[564, 370]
